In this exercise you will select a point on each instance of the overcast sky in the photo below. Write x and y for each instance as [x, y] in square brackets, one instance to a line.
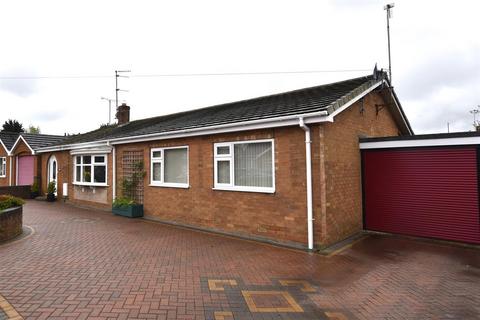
[435, 55]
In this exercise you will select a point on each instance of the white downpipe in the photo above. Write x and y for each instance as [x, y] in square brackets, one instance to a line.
[114, 173]
[308, 153]
[11, 170]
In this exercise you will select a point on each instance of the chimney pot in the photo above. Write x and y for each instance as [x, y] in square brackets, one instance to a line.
[123, 114]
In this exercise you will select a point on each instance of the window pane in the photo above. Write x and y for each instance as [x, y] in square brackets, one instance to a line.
[87, 174]
[175, 161]
[87, 159]
[99, 174]
[157, 154]
[223, 171]
[78, 173]
[157, 171]
[223, 150]
[54, 170]
[99, 159]
[78, 159]
[253, 164]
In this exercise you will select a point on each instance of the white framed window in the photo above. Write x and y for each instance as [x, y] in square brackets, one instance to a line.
[3, 167]
[90, 170]
[169, 167]
[245, 166]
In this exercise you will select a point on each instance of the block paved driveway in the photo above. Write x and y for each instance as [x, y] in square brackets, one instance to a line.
[87, 264]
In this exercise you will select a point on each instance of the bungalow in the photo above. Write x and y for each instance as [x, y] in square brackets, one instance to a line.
[283, 168]
[19, 163]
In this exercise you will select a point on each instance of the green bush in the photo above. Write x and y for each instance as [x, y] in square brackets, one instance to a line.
[123, 202]
[51, 187]
[7, 201]
[35, 187]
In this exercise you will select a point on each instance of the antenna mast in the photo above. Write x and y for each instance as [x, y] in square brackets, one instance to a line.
[389, 7]
[118, 75]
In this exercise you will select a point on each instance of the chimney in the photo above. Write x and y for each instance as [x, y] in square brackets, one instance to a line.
[123, 114]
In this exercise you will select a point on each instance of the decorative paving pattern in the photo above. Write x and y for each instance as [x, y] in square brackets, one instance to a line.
[282, 299]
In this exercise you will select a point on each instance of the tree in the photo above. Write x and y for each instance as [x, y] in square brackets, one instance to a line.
[12, 126]
[33, 129]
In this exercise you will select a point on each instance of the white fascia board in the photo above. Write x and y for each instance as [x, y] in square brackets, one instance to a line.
[209, 130]
[25, 141]
[67, 147]
[459, 141]
[352, 101]
[96, 150]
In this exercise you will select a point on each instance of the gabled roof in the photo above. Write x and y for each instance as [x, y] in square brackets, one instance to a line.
[320, 100]
[34, 141]
[8, 139]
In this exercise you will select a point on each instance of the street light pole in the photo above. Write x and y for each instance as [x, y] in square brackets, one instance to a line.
[109, 108]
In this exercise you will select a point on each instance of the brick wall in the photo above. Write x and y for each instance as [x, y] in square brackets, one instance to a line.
[96, 197]
[342, 167]
[280, 216]
[10, 223]
[4, 181]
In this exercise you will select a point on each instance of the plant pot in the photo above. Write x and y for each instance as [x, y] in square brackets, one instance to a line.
[50, 197]
[131, 211]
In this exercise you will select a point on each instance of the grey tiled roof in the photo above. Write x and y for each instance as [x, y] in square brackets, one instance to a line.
[308, 100]
[34, 140]
[8, 139]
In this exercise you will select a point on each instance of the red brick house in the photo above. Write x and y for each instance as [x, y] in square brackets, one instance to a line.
[283, 168]
[19, 163]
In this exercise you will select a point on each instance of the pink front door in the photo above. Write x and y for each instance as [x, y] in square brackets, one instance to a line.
[25, 170]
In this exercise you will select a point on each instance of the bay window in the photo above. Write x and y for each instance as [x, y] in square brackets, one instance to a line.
[90, 170]
[3, 167]
[245, 166]
[169, 167]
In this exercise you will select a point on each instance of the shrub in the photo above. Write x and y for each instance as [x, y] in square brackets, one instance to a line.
[7, 201]
[35, 187]
[51, 187]
[123, 202]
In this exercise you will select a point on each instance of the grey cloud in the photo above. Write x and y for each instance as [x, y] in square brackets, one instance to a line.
[451, 70]
[19, 87]
[48, 116]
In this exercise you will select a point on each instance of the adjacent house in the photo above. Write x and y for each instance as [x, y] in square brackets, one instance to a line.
[283, 168]
[19, 163]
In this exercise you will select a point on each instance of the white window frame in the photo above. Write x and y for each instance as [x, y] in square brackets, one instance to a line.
[92, 165]
[160, 160]
[3, 166]
[231, 158]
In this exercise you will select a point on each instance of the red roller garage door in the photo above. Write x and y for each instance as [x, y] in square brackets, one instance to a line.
[427, 192]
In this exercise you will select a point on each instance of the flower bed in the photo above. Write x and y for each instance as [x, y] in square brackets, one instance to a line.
[11, 214]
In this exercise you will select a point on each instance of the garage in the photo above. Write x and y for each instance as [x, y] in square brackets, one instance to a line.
[424, 186]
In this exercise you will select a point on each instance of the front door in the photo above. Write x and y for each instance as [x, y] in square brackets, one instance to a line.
[53, 171]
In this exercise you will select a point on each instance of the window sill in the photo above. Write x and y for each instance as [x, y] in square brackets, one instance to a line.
[170, 185]
[3, 177]
[237, 189]
[90, 184]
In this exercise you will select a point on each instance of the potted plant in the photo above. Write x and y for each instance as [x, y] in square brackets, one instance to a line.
[34, 190]
[51, 189]
[128, 205]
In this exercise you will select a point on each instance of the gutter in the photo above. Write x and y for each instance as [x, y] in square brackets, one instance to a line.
[308, 154]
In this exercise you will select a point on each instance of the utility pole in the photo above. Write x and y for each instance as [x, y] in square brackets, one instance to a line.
[389, 7]
[109, 108]
[118, 74]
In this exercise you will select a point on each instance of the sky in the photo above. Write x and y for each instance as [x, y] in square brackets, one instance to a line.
[57, 58]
